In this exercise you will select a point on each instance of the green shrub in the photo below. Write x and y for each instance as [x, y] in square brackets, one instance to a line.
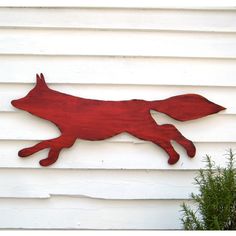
[216, 200]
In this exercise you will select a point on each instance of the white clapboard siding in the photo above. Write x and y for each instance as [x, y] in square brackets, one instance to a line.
[118, 43]
[112, 50]
[176, 4]
[85, 213]
[109, 184]
[115, 19]
[116, 70]
[9, 92]
[107, 155]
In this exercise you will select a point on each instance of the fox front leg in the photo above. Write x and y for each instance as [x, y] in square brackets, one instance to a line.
[55, 146]
[52, 157]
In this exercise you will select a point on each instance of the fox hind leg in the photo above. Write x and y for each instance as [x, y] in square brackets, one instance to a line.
[161, 142]
[166, 145]
[180, 139]
[161, 135]
[152, 133]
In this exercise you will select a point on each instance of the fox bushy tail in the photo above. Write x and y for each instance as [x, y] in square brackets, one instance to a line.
[186, 107]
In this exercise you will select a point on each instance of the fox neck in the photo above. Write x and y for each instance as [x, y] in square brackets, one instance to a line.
[55, 105]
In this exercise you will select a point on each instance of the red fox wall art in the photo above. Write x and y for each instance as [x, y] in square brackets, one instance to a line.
[90, 119]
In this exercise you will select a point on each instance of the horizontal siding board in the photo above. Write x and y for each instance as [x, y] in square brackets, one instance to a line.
[114, 155]
[84, 213]
[9, 92]
[24, 126]
[183, 20]
[117, 43]
[103, 184]
[177, 4]
[119, 70]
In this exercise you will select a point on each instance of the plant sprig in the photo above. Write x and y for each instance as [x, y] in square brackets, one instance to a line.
[216, 200]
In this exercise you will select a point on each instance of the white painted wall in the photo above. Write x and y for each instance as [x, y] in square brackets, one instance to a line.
[111, 50]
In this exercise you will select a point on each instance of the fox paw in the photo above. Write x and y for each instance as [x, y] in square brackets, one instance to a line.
[173, 159]
[191, 151]
[25, 152]
[47, 162]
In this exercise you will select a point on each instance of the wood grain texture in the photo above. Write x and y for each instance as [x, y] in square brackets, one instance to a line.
[94, 120]
[23, 126]
[116, 92]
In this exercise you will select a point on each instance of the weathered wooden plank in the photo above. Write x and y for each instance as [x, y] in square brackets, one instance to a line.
[84, 213]
[177, 4]
[104, 184]
[119, 70]
[24, 126]
[183, 20]
[117, 43]
[113, 155]
[219, 95]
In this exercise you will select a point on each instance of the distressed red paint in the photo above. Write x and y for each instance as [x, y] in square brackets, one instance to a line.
[91, 119]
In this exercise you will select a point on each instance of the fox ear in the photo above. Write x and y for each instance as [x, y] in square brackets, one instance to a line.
[43, 80]
[40, 81]
[37, 79]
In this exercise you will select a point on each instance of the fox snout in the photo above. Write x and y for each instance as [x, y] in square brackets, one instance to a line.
[14, 103]
[19, 103]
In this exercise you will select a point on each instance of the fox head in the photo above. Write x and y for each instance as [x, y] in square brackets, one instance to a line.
[34, 100]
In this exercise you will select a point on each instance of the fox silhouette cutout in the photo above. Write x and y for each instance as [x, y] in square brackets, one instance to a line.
[90, 119]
